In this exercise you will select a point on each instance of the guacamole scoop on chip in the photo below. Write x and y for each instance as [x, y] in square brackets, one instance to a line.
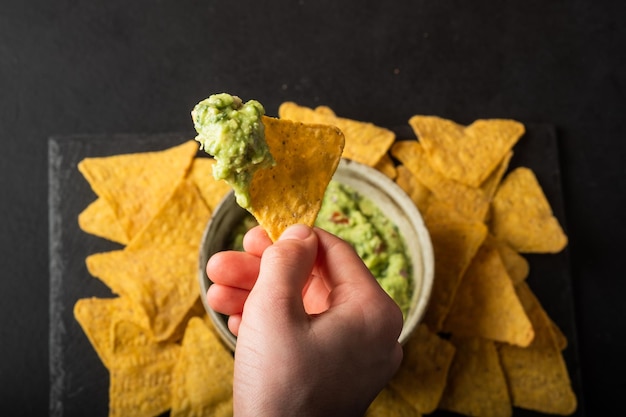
[233, 133]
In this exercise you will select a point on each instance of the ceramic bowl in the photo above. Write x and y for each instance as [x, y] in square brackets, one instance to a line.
[369, 182]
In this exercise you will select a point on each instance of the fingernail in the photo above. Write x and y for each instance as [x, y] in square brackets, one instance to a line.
[297, 231]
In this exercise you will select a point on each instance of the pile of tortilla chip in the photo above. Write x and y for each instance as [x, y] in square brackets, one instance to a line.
[153, 335]
[485, 345]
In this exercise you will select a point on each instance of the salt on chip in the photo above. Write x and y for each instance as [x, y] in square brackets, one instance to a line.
[292, 190]
[213, 191]
[521, 215]
[389, 404]
[421, 379]
[476, 384]
[467, 154]
[455, 242]
[486, 304]
[537, 375]
[365, 142]
[135, 185]
[99, 220]
[203, 377]
[160, 281]
[469, 202]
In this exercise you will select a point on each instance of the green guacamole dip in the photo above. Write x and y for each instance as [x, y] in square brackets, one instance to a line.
[376, 239]
[233, 133]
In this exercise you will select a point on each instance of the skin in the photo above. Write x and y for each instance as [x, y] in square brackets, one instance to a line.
[317, 336]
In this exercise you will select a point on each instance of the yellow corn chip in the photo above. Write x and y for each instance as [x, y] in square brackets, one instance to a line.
[472, 203]
[142, 373]
[476, 384]
[98, 219]
[291, 191]
[135, 185]
[421, 379]
[203, 384]
[389, 404]
[181, 220]
[386, 166]
[418, 192]
[516, 265]
[467, 154]
[455, 242]
[522, 216]
[490, 185]
[537, 375]
[365, 142]
[212, 190]
[486, 304]
[97, 316]
[160, 281]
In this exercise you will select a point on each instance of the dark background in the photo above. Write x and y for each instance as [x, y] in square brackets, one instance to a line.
[104, 67]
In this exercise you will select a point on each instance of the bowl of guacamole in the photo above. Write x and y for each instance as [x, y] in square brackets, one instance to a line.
[368, 210]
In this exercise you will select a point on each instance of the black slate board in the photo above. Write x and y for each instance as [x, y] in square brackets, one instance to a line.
[78, 380]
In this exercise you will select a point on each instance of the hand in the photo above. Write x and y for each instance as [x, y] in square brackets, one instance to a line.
[317, 335]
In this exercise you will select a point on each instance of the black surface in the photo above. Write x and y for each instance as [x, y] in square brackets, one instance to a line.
[116, 66]
[79, 382]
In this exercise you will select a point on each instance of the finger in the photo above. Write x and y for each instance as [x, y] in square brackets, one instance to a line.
[226, 300]
[285, 267]
[234, 269]
[234, 322]
[256, 240]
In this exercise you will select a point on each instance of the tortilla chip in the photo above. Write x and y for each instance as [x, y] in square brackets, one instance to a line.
[212, 190]
[203, 377]
[455, 242]
[135, 185]
[516, 265]
[467, 154]
[418, 192]
[141, 375]
[469, 202]
[292, 191]
[476, 384]
[491, 184]
[99, 219]
[365, 142]
[386, 166]
[522, 216]
[181, 220]
[421, 379]
[486, 304]
[537, 375]
[162, 282]
[97, 316]
[389, 404]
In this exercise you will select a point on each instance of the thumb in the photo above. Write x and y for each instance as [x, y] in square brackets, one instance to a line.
[285, 268]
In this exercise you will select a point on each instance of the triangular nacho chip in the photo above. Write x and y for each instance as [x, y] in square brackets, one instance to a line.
[521, 215]
[467, 154]
[203, 376]
[476, 384]
[99, 220]
[136, 185]
[213, 191]
[365, 142]
[486, 304]
[292, 190]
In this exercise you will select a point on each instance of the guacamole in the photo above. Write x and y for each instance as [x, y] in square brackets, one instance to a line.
[376, 239]
[233, 133]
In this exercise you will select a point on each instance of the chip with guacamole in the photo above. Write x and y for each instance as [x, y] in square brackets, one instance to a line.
[279, 169]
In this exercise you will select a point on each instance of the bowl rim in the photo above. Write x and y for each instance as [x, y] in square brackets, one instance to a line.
[385, 186]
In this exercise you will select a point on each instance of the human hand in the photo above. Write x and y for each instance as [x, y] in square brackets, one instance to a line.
[317, 335]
